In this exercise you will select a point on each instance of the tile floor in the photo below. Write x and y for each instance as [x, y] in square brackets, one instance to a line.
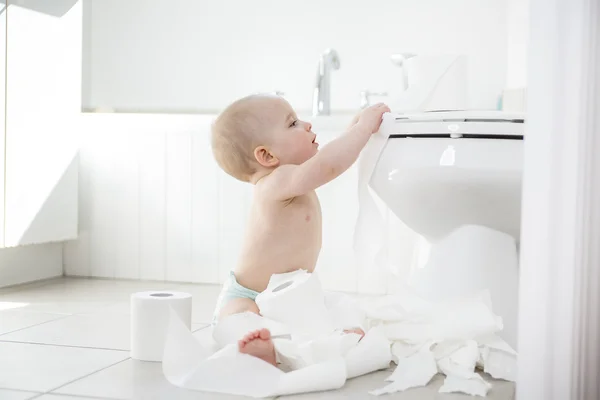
[68, 339]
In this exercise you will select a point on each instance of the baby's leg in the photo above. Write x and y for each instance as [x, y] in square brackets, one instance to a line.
[237, 306]
[256, 343]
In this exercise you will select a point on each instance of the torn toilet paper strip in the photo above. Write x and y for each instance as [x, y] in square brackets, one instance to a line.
[498, 358]
[413, 371]
[474, 386]
[457, 361]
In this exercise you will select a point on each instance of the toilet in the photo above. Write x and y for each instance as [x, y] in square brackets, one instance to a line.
[454, 178]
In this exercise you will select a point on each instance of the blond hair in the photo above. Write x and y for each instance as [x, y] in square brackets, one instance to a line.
[235, 135]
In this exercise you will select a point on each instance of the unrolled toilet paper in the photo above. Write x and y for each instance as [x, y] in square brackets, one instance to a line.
[370, 230]
[309, 345]
[190, 365]
[296, 299]
[423, 337]
[150, 320]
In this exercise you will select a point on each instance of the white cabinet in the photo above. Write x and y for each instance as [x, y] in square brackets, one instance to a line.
[42, 89]
[2, 114]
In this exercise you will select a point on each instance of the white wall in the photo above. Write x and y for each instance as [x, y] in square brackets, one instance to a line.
[155, 206]
[186, 55]
[518, 41]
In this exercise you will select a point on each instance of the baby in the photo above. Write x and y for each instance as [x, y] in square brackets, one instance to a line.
[259, 139]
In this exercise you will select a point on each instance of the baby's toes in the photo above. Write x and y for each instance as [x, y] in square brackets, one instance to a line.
[264, 334]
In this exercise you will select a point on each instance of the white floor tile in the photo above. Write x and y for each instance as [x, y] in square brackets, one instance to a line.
[134, 380]
[105, 331]
[6, 394]
[42, 368]
[91, 289]
[17, 318]
[83, 296]
[55, 302]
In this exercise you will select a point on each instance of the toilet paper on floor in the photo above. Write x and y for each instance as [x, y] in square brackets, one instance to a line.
[150, 318]
[458, 361]
[188, 364]
[498, 358]
[413, 371]
[423, 338]
[308, 343]
[452, 338]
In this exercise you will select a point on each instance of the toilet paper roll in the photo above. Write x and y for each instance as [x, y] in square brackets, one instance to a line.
[297, 300]
[150, 320]
[436, 82]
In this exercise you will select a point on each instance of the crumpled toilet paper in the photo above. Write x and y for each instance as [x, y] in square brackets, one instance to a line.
[422, 338]
[318, 356]
[455, 337]
[412, 371]
[459, 367]
[498, 358]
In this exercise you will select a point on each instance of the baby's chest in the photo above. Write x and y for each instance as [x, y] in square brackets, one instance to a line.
[303, 212]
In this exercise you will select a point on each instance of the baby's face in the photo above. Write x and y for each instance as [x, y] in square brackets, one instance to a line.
[291, 140]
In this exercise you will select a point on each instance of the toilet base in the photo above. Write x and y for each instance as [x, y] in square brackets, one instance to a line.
[470, 259]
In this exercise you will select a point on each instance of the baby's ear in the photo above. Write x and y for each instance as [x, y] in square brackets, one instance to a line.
[265, 157]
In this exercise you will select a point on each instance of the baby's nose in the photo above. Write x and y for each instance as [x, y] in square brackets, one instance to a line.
[308, 126]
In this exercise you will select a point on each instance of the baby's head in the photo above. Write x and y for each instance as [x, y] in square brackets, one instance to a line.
[257, 134]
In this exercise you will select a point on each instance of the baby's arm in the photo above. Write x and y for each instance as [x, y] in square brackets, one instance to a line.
[335, 158]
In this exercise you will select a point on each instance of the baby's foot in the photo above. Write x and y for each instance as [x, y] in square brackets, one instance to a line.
[358, 331]
[258, 344]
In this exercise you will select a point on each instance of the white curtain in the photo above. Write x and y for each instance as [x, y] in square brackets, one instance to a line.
[559, 351]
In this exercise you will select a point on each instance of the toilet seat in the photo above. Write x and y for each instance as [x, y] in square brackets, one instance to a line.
[456, 124]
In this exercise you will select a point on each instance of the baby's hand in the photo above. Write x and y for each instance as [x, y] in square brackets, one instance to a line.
[371, 117]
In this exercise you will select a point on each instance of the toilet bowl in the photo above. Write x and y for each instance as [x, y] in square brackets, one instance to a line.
[454, 178]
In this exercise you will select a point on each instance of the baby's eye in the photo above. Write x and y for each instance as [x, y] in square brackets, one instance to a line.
[294, 123]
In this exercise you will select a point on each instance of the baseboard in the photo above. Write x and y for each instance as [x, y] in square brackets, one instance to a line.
[25, 264]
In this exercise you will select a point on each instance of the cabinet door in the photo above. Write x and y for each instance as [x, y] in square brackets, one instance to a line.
[43, 104]
[2, 112]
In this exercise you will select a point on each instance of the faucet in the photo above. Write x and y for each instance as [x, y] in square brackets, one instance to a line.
[322, 91]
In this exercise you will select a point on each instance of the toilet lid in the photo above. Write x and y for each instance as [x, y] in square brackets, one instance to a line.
[455, 124]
